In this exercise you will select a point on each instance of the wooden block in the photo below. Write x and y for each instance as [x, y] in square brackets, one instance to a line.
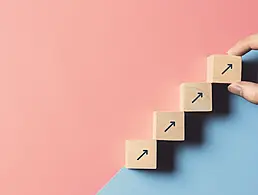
[141, 154]
[224, 69]
[196, 97]
[169, 126]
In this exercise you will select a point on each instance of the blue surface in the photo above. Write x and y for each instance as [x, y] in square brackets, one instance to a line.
[225, 162]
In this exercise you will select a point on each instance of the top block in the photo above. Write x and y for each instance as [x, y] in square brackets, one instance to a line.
[224, 69]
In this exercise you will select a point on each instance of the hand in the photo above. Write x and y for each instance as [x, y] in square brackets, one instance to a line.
[247, 90]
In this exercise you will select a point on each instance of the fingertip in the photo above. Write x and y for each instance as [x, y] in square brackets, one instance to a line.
[244, 45]
[235, 89]
[237, 51]
[247, 90]
[230, 51]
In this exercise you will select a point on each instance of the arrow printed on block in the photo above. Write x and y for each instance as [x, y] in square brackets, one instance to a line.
[200, 95]
[230, 66]
[144, 152]
[172, 123]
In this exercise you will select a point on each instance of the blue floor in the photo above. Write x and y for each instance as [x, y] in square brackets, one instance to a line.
[219, 156]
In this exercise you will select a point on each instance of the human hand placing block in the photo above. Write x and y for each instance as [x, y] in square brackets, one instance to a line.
[168, 126]
[141, 154]
[196, 97]
[224, 69]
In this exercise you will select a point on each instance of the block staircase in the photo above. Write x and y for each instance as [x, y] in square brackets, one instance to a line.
[194, 97]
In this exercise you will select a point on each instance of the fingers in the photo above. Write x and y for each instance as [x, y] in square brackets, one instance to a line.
[247, 90]
[245, 45]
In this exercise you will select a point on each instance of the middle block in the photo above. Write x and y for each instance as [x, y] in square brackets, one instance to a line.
[169, 126]
[196, 97]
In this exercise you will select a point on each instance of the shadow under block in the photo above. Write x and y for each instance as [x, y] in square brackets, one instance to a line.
[168, 126]
[141, 154]
[196, 97]
[224, 68]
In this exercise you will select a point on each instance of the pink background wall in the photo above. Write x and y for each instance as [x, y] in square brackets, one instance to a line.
[79, 77]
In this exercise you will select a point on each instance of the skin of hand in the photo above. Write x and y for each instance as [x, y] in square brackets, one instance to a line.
[244, 89]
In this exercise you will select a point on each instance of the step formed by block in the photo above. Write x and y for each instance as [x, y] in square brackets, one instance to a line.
[224, 68]
[196, 97]
[169, 126]
[141, 154]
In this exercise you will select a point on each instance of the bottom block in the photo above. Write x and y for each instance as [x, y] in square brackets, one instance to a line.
[141, 154]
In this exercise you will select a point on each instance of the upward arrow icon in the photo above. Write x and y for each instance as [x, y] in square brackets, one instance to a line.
[172, 123]
[230, 66]
[200, 95]
[144, 152]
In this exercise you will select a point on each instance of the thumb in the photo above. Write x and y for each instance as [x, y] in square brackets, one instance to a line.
[247, 90]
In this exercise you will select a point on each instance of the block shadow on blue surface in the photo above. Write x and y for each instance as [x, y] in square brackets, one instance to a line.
[195, 121]
[220, 159]
[194, 127]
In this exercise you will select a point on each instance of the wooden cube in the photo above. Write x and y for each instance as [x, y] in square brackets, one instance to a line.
[169, 126]
[196, 97]
[141, 154]
[224, 69]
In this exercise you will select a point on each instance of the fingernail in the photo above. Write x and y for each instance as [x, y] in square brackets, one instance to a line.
[236, 89]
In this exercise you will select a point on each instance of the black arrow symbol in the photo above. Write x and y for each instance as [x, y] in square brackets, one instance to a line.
[230, 66]
[172, 123]
[200, 94]
[144, 152]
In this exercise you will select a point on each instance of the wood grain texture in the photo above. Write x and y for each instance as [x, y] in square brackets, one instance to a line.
[196, 97]
[141, 154]
[224, 68]
[168, 126]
